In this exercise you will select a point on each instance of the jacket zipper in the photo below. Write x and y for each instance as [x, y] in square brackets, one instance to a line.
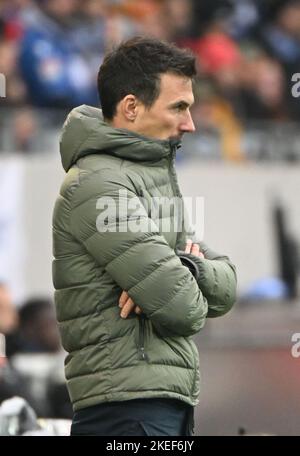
[142, 353]
[195, 364]
[174, 183]
[172, 173]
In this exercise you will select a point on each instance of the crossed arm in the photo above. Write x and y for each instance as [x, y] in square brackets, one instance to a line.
[142, 263]
[126, 303]
[214, 274]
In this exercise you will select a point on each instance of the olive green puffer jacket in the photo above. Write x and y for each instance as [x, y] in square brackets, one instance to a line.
[96, 258]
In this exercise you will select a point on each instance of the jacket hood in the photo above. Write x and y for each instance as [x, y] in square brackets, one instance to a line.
[85, 132]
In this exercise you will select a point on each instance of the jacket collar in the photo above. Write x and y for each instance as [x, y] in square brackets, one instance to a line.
[85, 132]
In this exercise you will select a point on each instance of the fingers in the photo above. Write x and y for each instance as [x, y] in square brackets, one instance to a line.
[123, 298]
[194, 249]
[188, 246]
[127, 308]
[138, 310]
[127, 305]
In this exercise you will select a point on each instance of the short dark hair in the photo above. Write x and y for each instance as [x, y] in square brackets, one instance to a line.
[135, 66]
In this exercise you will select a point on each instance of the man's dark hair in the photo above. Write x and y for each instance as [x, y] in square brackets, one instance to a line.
[135, 67]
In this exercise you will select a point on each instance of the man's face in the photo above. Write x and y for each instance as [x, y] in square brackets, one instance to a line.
[169, 116]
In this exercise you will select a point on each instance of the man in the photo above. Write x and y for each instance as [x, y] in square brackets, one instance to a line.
[128, 297]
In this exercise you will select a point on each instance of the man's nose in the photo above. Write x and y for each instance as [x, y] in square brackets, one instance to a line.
[188, 126]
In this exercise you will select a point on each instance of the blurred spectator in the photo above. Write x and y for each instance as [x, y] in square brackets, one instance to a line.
[220, 60]
[282, 34]
[281, 38]
[213, 114]
[208, 11]
[8, 312]
[126, 18]
[35, 359]
[178, 16]
[15, 87]
[217, 53]
[244, 18]
[263, 89]
[37, 331]
[219, 56]
[38, 327]
[57, 57]
[25, 127]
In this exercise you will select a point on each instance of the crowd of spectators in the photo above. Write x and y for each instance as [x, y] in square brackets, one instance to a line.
[247, 52]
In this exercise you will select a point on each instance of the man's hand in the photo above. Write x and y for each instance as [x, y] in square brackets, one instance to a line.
[127, 305]
[194, 249]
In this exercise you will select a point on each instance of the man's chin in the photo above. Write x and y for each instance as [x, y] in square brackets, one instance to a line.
[176, 138]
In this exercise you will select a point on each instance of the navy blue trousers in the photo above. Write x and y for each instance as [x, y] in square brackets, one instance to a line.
[138, 417]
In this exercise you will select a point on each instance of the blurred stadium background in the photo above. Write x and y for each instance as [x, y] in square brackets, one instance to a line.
[244, 160]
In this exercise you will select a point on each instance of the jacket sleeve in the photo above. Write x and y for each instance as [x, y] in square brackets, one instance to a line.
[216, 277]
[128, 245]
[215, 274]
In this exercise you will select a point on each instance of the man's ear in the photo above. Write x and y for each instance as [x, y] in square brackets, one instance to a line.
[129, 106]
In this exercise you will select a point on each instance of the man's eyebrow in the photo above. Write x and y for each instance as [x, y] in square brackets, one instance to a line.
[181, 104]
